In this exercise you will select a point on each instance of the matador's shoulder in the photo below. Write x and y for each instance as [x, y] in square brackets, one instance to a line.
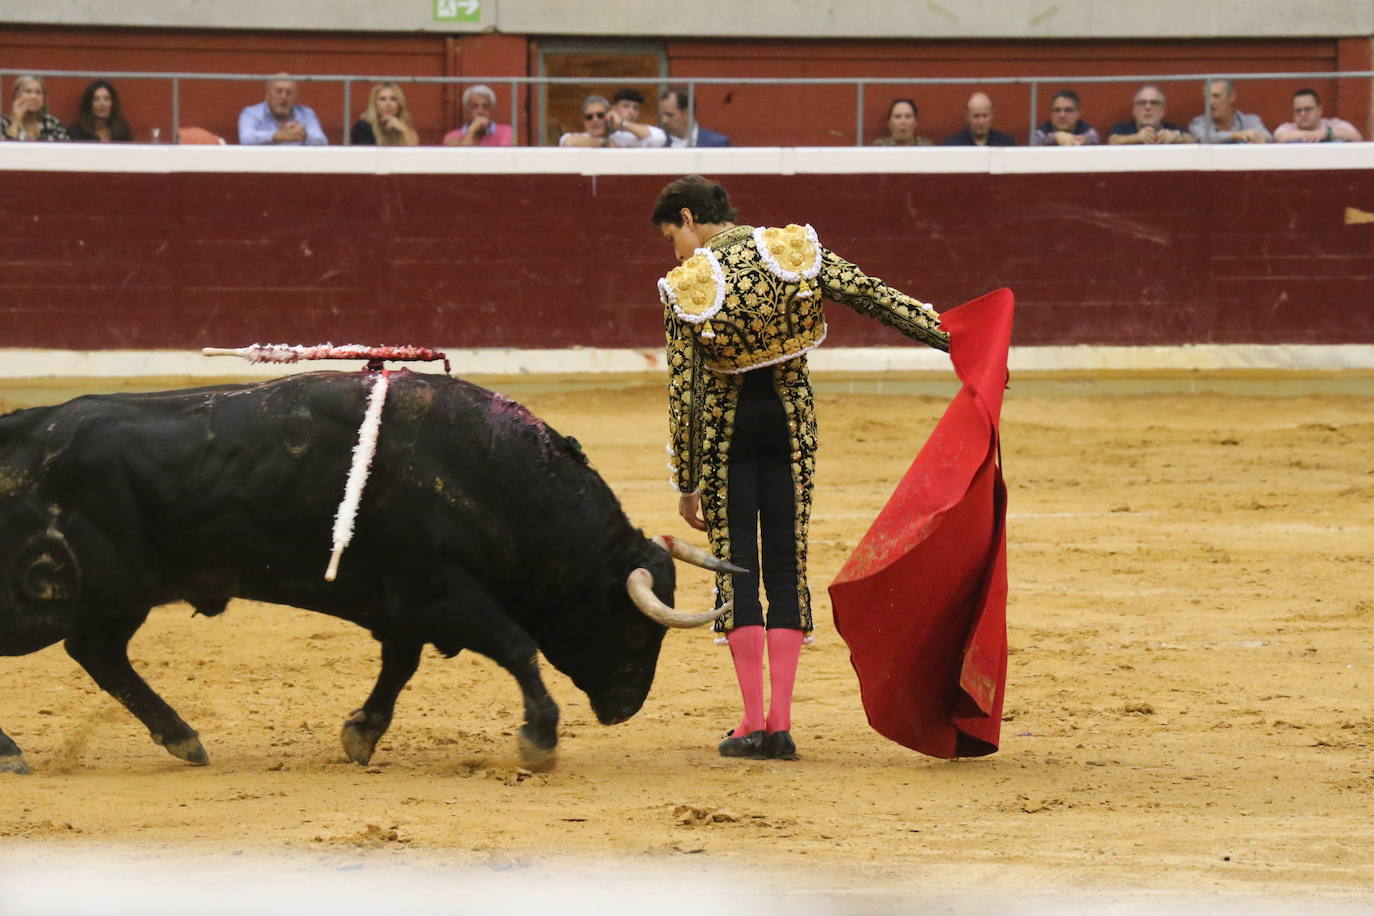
[695, 289]
[792, 253]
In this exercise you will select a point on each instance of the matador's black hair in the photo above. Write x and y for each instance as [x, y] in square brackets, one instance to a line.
[707, 201]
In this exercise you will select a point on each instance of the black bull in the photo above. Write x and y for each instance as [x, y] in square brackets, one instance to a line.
[480, 528]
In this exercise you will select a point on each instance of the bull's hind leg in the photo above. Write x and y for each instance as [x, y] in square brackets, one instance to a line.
[11, 758]
[365, 727]
[104, 654]
[472, 619]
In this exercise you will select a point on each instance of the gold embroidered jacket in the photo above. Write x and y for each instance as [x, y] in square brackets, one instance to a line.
[752, 298]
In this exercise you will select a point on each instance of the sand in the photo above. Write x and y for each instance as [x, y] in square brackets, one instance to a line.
[1191, 622]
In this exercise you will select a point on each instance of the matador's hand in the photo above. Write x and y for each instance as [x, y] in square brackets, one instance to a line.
[689, 507]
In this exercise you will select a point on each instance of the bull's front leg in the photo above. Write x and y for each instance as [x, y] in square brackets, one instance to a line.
[104, 654]
[539, 734]
[472, 619]
[365, 727]
[11, 758]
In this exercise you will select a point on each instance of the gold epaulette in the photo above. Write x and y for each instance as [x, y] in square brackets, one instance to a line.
[792, 253]
[695, 289]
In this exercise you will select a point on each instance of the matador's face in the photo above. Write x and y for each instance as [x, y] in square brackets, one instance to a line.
[685, 238]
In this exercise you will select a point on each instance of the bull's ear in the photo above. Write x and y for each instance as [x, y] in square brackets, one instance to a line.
[45, 569]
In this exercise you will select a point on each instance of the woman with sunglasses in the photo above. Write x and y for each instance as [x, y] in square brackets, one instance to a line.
[595, 108]
[741, 312]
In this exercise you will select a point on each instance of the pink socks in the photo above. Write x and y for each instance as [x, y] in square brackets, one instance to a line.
[784, 649]
[746, 648]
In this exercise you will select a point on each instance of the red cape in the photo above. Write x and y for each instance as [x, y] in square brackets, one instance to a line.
[922, 602]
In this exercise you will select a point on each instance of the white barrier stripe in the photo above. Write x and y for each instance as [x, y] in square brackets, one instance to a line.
[815, 160]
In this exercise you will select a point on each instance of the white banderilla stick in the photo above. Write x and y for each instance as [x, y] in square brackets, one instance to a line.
[363, 451]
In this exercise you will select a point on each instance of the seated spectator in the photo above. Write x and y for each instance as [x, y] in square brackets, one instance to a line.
[1149, 125]
[682, 129]
[479, 121]
[623, 123]
[101, 119]
[1226, 125]
[386, 120]
[901, 125]
[1065, 127]
[28, 118]
[979, 132]
[1308, 125]
[595, 108]
[279, 120]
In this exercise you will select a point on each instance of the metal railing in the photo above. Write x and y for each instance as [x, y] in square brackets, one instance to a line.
[690, 84]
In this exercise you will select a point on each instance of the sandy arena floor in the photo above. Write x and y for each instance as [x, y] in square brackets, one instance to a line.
[1188, 704]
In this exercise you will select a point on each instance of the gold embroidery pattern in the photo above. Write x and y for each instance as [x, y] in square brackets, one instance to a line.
[792, 381]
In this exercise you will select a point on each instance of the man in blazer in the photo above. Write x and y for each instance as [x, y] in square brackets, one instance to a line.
[681, 127]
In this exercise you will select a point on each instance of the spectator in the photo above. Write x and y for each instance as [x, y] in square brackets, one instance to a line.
[901, 125]
[979, 132]
[386, 121]
[622, 122]
[279, 120]
[101, 119]
[479, 121]
[678, 123]
[595, 108]
[28, 118]
[1065, 127]
[1226, 125]
[1308, 125]
[1149, 125]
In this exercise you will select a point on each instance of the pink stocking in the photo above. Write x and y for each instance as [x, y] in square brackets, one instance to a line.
[746, 648]
[784, 649]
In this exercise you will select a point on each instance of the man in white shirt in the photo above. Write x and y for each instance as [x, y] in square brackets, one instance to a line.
[622, 122]
[1226, 125]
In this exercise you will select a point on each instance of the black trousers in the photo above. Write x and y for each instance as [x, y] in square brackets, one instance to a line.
[761, 506]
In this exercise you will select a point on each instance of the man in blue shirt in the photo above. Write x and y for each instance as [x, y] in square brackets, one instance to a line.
[279, 120]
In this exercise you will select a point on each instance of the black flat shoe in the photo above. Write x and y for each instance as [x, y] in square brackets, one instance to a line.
[754, 745]
[781, 746]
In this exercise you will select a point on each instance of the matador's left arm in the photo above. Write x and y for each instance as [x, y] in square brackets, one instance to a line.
[847, 284]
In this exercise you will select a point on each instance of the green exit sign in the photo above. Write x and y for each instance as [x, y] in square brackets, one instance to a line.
[457, 10]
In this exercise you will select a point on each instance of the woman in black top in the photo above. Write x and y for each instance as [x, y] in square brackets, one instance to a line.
[102, 118]
[386, 122]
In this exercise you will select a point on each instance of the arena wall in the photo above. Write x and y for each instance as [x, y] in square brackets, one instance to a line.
[174, 248]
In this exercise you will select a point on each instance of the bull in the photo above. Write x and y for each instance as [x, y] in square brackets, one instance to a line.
[480, 528]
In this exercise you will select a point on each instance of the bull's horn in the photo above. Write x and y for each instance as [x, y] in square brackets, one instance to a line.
[640, 585]
[690, 553]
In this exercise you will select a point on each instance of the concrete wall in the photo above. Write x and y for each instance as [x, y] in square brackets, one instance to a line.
[730, 18]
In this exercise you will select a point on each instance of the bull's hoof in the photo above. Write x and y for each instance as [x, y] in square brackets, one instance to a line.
[360, 735]
[357, 744]
[14, 764]
[535, 758]
[188, 749]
